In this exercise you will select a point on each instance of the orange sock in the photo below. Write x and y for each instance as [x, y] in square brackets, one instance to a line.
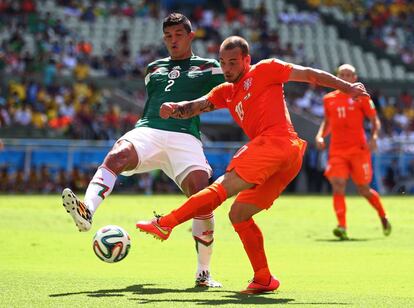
[253, 243]
[375, 201]
[205, 201]
[340, 209]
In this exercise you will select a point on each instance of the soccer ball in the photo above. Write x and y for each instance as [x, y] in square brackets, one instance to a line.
[111, 244]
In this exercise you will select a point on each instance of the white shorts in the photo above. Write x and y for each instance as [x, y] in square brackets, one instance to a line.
[177, 154]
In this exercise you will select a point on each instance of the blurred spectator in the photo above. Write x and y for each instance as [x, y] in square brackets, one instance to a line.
[49, 73]
[47, 184]
[4, 179]
[33, 183]
[392, 175]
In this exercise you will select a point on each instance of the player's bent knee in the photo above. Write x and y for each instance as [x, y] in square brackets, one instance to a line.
[364, 190]
[237, 216]
[122, 157]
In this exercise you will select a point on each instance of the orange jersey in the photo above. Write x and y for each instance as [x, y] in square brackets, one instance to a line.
[346, 118]
[257, 102]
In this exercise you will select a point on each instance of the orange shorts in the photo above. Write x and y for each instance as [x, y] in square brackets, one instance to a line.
[357, 165]
[271, 163]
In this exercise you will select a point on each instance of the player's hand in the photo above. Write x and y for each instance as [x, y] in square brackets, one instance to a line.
[167, 109]
[320, 143]
[373, 146]
[356, 89]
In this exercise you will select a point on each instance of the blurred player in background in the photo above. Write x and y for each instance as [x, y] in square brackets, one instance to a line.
[349, 151]
[261, 169]
[171, 145]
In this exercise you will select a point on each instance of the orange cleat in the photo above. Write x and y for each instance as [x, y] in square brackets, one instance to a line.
[153, 228]
[257, 288]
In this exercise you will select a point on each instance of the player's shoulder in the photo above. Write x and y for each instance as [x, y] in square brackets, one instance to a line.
[332, 95]
[225, 86]
[159, 61]
[154, 65]
[271, 61]
[206, 62]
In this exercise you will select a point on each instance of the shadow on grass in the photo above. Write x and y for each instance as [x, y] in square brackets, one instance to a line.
[229, 297]
[334, 240]
[226, 297]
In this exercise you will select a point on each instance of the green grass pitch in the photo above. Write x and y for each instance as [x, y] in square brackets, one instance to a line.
[46, 262]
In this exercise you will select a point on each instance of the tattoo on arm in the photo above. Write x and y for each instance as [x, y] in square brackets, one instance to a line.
[192, 108]
[206, 106]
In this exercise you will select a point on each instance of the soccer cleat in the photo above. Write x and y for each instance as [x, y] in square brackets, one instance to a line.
[386, 226]
[340, 232]
[205, 280]
[77, 209]
[256, 288]
[153, 228]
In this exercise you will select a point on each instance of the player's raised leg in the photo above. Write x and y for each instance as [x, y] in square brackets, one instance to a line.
[122, 157]
[206, 200]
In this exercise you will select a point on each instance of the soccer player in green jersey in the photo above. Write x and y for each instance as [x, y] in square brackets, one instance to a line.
[171, 145]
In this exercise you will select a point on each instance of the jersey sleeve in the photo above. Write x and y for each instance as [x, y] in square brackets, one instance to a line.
[216, 77]
[148, 70]
[368, 107]
[277, 70]
[218, 96]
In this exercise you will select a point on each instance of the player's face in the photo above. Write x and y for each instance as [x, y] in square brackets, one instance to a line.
[233, 64]
[178, 42]
[347, 75]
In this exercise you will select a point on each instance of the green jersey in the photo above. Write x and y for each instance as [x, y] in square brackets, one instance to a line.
[169, 80]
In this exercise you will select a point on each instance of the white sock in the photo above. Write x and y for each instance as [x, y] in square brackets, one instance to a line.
[203, 229]
[99, 188]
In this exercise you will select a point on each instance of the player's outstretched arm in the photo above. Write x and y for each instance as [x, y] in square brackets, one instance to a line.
[186, 109]
[322, 78]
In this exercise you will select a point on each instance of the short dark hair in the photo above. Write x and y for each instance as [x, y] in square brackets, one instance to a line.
[176, 19]
[234, 42]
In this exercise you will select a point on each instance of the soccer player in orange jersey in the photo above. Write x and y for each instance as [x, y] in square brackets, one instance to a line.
[261, 169]
[349, 151]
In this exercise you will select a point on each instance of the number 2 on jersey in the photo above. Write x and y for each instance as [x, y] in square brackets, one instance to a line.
[169, 85]
[341, 112]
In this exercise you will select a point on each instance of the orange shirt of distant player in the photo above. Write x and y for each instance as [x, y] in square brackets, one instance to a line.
[346, 119]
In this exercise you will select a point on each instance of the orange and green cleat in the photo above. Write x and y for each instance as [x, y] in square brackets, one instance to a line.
[386, 226]
[340, 232]
[153, 228]
[77, 209]
[257, 288]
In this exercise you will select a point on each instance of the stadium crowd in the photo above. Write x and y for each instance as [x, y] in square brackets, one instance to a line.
[82, 110]
[388, 24]
[45, 179]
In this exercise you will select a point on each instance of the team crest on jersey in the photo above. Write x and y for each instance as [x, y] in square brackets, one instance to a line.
[350, 101]
[174, 74]
[247, 84]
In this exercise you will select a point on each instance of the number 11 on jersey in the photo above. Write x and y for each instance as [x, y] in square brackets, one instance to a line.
[341, 112]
